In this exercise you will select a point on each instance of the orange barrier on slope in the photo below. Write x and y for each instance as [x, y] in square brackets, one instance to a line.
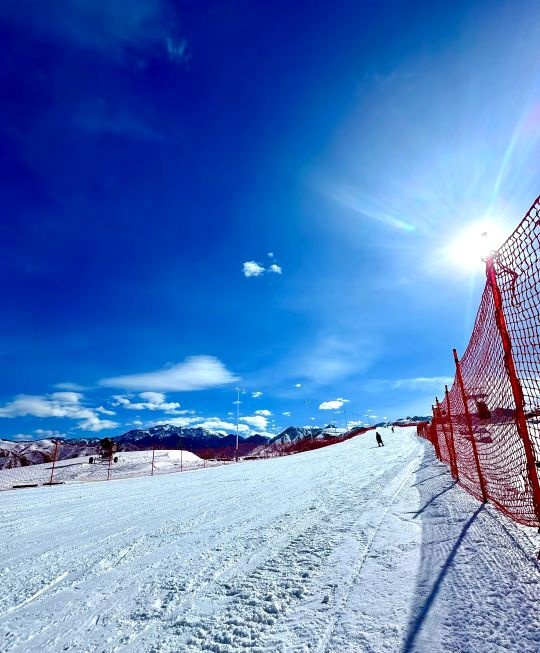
[487, 427]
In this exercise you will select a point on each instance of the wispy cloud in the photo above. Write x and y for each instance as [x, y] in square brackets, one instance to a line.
[195, 373]
[108, 28]
[276, 269]
[72, 387]
[264, 412]
[421, 383]
[20, 437]
[58, 404]
[48, 433]
[256, 394]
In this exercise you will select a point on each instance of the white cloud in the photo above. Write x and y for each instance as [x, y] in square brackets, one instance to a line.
[67, 397]
[271, 254]
[58, 404]
[422, 383]
[151, 401]
[256, 394]
[73, 387]
[137, 422]
[20, 436]
[276, 269]
[183, 421]
[264, 412]
[47, 433]
[334, 404]
[104, 411]
[195, 373]
[252, 269]
[297, 385]
[257, 421]
[287, 413]
[216, 425]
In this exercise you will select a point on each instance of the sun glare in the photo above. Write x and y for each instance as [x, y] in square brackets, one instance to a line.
[469, 248]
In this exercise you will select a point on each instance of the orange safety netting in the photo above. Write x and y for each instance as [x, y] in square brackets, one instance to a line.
[487, 428]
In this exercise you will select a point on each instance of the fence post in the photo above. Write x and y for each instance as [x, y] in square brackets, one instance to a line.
[517, 391]
[153, 456]
[448, 444]
[54, 461]
[452, 441]
[435, 443]
[468, 421]
[109, 467]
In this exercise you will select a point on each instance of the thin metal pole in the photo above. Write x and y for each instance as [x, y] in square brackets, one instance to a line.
[182, 453]
[54, 461]
[153, 456]
[452, 441]
[468, 422]
[109, 468]
[238, 390]
[517, 390]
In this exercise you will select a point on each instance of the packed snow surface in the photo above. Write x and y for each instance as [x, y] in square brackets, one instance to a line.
[128, 463]
[351, 548]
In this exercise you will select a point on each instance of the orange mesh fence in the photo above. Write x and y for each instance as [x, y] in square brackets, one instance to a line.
[487, 428]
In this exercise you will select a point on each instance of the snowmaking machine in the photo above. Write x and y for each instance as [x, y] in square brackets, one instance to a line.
[107, 449]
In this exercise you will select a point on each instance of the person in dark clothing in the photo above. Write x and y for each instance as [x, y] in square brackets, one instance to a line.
[379, 439]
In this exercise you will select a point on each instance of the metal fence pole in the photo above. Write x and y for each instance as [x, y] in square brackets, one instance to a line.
[153, 456]
[54, 461]
[517, 391]
[468, 422]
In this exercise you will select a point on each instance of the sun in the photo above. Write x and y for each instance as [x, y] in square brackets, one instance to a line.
[469, 249]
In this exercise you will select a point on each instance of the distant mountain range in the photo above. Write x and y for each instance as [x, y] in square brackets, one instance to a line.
[164, 436]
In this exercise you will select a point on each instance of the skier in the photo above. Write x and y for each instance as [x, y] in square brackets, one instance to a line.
[379, 439]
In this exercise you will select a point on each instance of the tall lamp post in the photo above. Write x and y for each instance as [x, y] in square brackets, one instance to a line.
[238, 391]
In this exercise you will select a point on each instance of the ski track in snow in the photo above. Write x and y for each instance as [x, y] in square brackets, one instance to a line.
[351, 548]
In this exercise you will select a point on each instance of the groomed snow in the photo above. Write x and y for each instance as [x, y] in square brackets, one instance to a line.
[351, 548]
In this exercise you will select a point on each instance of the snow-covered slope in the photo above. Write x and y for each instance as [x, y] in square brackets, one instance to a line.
[128, 464]
[350, 548]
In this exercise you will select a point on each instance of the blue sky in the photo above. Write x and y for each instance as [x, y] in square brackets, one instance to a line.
[199, 196]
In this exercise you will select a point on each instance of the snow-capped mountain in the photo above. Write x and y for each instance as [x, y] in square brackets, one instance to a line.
[163, 436]
[294, 433]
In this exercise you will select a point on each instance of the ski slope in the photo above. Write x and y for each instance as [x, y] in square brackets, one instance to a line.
[351, 548]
